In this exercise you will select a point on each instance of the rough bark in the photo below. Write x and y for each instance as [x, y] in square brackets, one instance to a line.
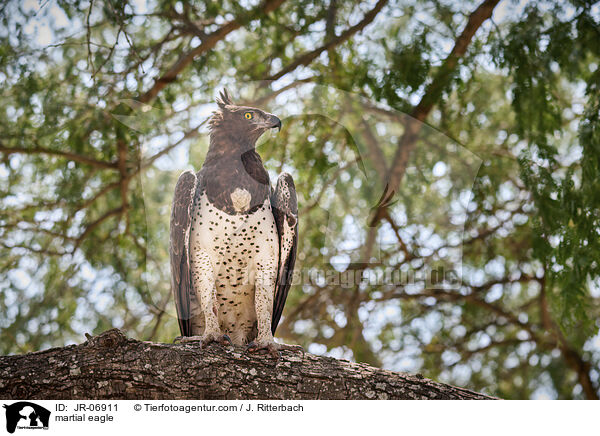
[110, 366]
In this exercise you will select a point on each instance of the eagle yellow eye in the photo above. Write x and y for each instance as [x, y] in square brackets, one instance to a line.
[248, 115]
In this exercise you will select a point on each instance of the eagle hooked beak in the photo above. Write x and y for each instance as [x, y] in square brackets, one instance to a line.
[275, 122]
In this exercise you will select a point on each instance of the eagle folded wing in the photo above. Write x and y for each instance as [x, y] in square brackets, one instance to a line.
[179, 247]
[284, 204]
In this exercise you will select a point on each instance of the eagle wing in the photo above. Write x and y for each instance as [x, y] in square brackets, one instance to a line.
[179, 247]
[284, 204]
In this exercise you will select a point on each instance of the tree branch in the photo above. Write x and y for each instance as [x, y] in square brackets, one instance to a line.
[570, 354]
[110, 366]
[432, 94]
[307, 57]
[375, 152]
[66, 154]
[90, 228]
[207, 44]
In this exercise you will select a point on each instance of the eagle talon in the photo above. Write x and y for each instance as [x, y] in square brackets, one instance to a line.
[204, 340]
[252, 347]
[226, 340]
[273, 349]
[274, 352]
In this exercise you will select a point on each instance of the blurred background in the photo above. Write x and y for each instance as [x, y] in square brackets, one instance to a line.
[446, 156]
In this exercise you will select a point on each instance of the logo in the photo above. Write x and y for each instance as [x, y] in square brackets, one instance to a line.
[26, 415]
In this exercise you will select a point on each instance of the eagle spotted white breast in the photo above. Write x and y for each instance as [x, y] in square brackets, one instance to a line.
[233, 239]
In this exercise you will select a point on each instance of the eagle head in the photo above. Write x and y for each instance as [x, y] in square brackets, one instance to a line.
[241, 124]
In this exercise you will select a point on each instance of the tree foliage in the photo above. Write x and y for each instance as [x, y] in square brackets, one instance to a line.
[453, 145]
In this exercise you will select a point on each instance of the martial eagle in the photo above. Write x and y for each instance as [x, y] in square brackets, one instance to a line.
[233, 239]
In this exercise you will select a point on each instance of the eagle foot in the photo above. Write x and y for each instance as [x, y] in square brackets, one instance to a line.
[205, 340]
[272, 348]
